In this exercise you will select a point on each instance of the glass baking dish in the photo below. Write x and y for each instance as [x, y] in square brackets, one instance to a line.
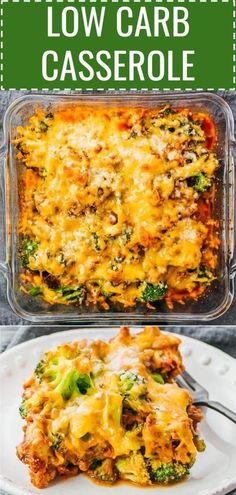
[216, 300]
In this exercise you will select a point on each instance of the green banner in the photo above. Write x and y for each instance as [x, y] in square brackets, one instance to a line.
[118, 45]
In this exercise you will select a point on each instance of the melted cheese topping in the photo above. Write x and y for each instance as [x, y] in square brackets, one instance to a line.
[107, 197]
[93, 424]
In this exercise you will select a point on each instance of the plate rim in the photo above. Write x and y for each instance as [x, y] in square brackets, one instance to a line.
[55, 335]
[12, 488]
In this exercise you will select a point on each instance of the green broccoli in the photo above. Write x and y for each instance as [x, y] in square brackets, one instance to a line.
[67, 385]
[202, 183]
[204, 275]
[40, 370]
[140, 405]
[132, 384]
[43, 126]
[127, 233]
[83, 383]
[158, 377]
[167, 473]
[75, 295]
[72, 295]
[47, 370]
[35, 291]
[86, 437]
[45, 123]
[133, 134]
[167, 110]
[57, 439]
[107, 294]
[20, 147]
[96, 242]
[133, 468]
[29, 247]
[103, 470]
[23, 409]
[71, 383]
[49, 116]
[153, 292]
[29, 403]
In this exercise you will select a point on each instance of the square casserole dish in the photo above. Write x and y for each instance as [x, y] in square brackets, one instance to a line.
[215, 301]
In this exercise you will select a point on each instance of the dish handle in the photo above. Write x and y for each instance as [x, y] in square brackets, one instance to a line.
[3, 260]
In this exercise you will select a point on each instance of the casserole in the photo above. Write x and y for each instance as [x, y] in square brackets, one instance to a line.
[216, 299]
[110, 410]
[116, 205]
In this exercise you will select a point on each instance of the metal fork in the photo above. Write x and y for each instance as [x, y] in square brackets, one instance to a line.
[201, 396]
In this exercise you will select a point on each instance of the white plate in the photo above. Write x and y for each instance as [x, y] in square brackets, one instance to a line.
[213, 473]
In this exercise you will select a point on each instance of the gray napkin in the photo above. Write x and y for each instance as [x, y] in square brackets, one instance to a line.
[223, 337]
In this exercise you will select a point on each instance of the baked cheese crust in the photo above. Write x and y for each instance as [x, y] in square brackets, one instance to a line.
[116, 205]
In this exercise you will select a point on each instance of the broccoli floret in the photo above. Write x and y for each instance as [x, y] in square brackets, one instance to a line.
[153, 292]
[47, 370]
[45, 123]
[72, 382]
[158, 377]
[168, 110]
[49, 116]
[86, 437]
[43, 126]
[23, 409]
[202, 183]
[57, 439]
[140, 405]
[83, 383]
[167, 473]
[103, 470]
[204, 275]
[127, 233]
[72, 295]
[134, 134]
[96, 242]
[106, 294]
[35, 291]
[133, 468]
[67, 385]
[19, 146]
[27, 404]
[29, 248]
[95, 464]
[132, 384]
[40, 370]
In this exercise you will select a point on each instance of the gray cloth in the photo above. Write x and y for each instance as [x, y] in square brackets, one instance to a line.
[222, 337]
[7, 316]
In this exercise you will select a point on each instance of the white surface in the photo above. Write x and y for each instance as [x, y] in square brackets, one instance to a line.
[213, 473]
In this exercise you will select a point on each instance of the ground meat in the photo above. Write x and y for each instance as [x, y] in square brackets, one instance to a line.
[130, 418]
[195, 414]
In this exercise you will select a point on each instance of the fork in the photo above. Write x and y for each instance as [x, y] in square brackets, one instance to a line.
[201, 396]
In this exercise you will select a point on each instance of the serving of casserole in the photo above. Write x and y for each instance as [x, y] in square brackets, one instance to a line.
[110, 410]
[125, 205]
